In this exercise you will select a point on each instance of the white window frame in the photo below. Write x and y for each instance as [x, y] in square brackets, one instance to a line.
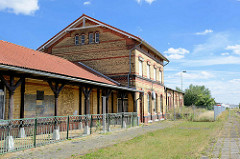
[90, 36]
[76, 40]
[140, 63]
[155, 74]
[160, 76]
[148, 71]
[82, 39]
[149, 103]
[97, 39]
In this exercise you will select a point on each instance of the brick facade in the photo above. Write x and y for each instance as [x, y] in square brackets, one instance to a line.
[111, 56]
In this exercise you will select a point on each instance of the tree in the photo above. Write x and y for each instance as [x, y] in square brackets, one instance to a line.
[178, 89]
[199, 96]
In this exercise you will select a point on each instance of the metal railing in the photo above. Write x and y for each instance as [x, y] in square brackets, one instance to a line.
[218, 111]
[20, 134]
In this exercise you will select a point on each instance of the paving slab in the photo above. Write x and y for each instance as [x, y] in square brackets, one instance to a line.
[227, 146]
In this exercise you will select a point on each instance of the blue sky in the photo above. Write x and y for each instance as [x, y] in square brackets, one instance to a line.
[199, 36]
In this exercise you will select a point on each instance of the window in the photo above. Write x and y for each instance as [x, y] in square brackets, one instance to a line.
[148, 101]
[161, 104]
[40, 95]
[155, 74]
[140, 68]
[90, 38]
[82, 39]
[155, 104]
[97, 37]
[148, 71]
[160, 76]
[76, 40]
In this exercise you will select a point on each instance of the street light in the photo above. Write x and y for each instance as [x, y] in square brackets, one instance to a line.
[182, 79]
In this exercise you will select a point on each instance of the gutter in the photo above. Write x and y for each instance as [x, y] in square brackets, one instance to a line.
[64, 77]
[130, 59]
[166, 64]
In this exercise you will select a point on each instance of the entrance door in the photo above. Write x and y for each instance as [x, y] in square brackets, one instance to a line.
[141, 111]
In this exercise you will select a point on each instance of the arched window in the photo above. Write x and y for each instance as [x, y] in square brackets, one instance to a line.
[161, 104]
[97, 37]
[90, 38]
[83, 39]
[148, 101]
[76, 40]
[155, 105]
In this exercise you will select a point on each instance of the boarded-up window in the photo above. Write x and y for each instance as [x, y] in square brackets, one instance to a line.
[40, 95]
[38, 108]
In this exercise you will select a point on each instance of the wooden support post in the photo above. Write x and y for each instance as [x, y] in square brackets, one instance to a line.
[11, 88]
[98, 101]
[56, 90]
[86, 92]
[112, 102]
[22, 99]
[106, 93]
[80, 100]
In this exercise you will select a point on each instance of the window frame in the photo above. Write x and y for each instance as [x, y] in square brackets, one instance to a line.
[148, 71]
[82, 39]
[140, 66]
[149, 103]
[155, 74]
[97, 33]
[92, 41]
[76, 40]
[160, 76]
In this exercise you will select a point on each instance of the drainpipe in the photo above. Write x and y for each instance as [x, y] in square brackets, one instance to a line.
[165, 88]
[130, 59]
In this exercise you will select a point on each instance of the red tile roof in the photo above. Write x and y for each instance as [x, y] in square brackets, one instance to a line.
[15, 55]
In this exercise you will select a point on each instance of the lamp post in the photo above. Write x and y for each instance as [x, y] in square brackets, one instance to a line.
[182, 79]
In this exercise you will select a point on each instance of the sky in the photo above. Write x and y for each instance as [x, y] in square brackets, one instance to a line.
[201, 37]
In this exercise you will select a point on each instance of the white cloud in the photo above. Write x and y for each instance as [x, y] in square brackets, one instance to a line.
[147, 1]
[26, 7]
[214, 44]
[178, 53]
[196, 75]
[207, 31]
[175, 56]
[226, 90]
[213, 61]
[87, 3]
[235, 81]
[224, 53]
[234, 48]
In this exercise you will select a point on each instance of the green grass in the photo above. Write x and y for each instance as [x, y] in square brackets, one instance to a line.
[186, 140]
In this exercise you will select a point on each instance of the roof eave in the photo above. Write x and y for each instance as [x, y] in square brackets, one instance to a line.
[63, 77]
[154, 50]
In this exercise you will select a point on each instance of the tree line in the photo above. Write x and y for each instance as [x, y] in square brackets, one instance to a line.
[199, 96]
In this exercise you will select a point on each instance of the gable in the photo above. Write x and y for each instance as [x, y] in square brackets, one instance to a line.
[85, 22]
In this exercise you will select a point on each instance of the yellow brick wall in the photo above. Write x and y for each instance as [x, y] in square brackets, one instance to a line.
[149, 86]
